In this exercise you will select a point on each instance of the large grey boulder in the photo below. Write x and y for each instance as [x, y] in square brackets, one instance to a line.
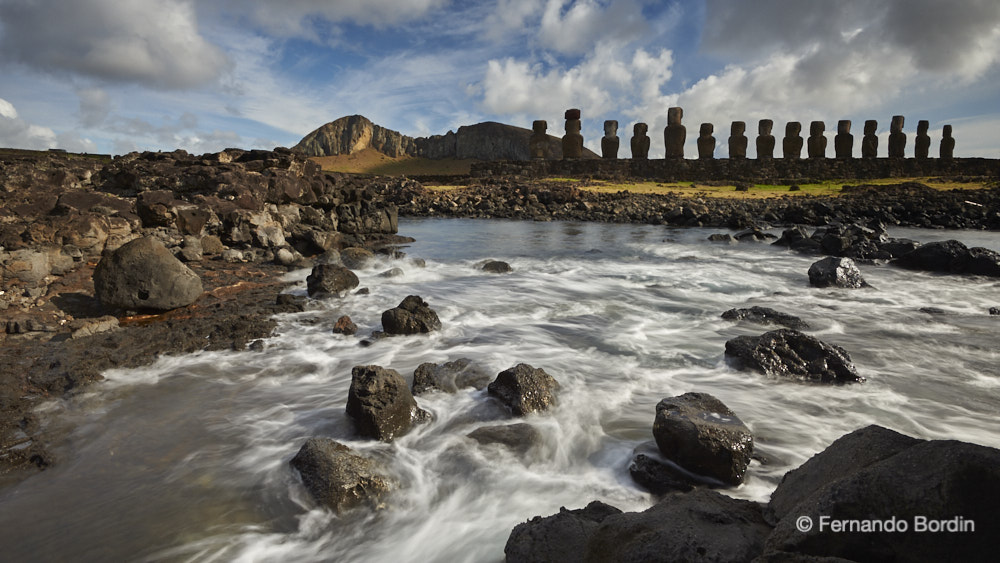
[449, 376]
[836, 272]
[561, 537]
[525, 389]
[339, 478]
[790, 353]
[702, 435]
[412, 316]
[143, 274]
[380, 403]
[330, 279]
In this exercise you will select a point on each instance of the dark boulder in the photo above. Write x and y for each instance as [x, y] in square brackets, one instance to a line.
[143, 274]
[951, 256]
[381, 404]
[330, 279]
[356, 258]
[525, 389]
[790, 353]
[995, 310]
[836, 272]
[496, 267]
[722, 237]
[519, 437]
[765, 316]
[339, 478]
[983, 262]
[660, 476]
[701, 525]
[701, 434]
[412, 316]
[345, 326]
[789, 237]
[449, 376]
[561, 537]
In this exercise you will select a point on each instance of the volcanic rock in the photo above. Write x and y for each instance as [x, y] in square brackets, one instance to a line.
[836, 272]
[766, 316]
[356, 258]
[412, 316]
[329, 279]
[524, 389]
[345, 326]
[496, 267]
[790, 353]
[339, 478]
[449, 377]
[561, 537]
[381, 404]
[519, 437]
[143, 274]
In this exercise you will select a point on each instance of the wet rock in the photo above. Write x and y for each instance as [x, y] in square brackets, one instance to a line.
[660, 476]
[496, 267]
[345, 326]
[790, 237]
[392, 273]
[836, 272]
[412, 316]
[753, 234]
[951, 256]
[449, 377]
[339, 478]
[519, 437]
[524, 389]
[561, 537]
[143, 274]
[702, 435]
[765, 316]
[356, 258]
[329, 279]
[381, 404]
[945, 483]
[288, 303]
[790, 353]
[995, 310]
[722, 237]
[701, 525]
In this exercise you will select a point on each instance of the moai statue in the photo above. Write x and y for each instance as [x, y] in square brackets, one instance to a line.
[737, 140]
[897, 139]
[869, 143]
[706, 142]
[609, 143]
[572, 141]
[817, 141]
[791, 145]
[947, 143]
[843, 143]
[640, 141]
[765, 140]
[922, 144]
[674, 133]
[538, 143]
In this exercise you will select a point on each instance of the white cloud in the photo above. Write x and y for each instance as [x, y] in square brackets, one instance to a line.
[18, 133]
[295, 18]
[151, 42]
[574, 26]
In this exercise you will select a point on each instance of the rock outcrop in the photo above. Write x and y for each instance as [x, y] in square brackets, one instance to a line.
[143, 274]
[339, 478]
[353, 133]
[790, 353]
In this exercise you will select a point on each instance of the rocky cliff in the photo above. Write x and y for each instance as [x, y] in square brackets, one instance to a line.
[483, 141]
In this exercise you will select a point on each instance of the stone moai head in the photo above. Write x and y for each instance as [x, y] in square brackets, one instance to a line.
[870, 126]
[816, 128]
[946, 131]
[793, 129]
[640, 129]
[738, 128]
[674, 116]
[539, 126]
[611, 128]
[922, 127]
[764, 127]
[572, 114]
[896, 126]
[844, 127]
[706, 130]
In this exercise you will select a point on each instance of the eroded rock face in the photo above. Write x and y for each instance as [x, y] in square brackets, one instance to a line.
[143, 274]
[790, 353]
[381, 404]
[412, 316]
[561, 537]
[525, 389]
[836, 272]
[765, 316]
[449, 376]
[330, 279]
[339, 478]
[702, 435]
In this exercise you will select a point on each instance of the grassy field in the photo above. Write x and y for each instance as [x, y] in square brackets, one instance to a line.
[370, 161]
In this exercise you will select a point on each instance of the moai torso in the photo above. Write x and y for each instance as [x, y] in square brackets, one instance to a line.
[737, 140]
[947, 143]
[538, 143]
[706, 142]
[843, 143]
[765, 140]
[609, 143]
[817, 141]
[640, 141]
[791, 145]
[869, 144]
[674, 133]
[922, 144]
[897, 139]
[572, 141]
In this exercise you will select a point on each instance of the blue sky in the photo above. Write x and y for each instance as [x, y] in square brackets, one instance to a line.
[113, 76]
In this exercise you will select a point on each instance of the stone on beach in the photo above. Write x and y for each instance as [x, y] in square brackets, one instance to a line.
[143, 274]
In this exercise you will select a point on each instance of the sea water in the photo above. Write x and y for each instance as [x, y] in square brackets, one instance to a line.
[188, 459]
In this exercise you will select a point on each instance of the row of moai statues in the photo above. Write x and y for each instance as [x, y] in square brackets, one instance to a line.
[675, 133]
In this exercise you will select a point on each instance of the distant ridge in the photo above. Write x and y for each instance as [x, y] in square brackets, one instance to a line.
[483, 141]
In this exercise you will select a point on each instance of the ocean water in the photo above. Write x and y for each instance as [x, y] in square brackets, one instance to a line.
[187, 459]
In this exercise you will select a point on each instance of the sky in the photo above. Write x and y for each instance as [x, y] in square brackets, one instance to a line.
[113, 76]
